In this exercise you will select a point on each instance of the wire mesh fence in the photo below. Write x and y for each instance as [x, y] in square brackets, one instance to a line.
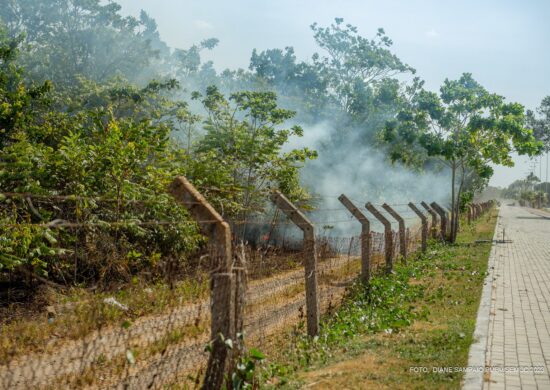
[152, 332]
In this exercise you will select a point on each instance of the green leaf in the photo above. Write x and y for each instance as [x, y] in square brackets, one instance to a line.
[255, 354]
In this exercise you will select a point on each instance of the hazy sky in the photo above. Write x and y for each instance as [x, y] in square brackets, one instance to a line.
[504, 43]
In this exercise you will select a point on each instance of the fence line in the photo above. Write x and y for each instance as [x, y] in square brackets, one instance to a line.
[257, 290]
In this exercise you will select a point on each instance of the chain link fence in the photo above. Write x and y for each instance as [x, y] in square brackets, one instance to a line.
[151, 335]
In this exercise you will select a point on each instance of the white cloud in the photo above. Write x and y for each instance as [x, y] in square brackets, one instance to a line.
[203, 25]
[432, 33]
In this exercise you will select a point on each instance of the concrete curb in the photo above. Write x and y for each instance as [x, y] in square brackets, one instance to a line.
[473, 379]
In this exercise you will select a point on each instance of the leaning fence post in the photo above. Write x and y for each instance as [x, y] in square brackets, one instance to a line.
[402, 230]
[443, 216]
[434, 218]
[296, 216]
[424, 220]
[223, 280]
[388, 235]
[365, 237]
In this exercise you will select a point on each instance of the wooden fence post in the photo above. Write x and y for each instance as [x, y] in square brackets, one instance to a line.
[312, 301]
[443, 217]
[388, 235]
[365, 237]
[470, 213]
[424, 221]
[402, 230]
[222, 282]
[434, 218]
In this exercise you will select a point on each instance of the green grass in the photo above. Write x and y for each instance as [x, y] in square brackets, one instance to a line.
[422, 315]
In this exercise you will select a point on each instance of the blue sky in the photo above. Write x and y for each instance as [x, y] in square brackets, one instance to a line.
[504, 43]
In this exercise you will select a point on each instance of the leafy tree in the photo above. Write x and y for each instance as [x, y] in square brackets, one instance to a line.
[188, 61]
[244, 140]
[108, 149]
[68, 38]
[532, 198]
[118, 170]
[275, 66]
[528, 191]
[544, 190]
[465, 127]
[17, 100]
[351, 82]
[109, 146]
[299, 83]
[355, 67]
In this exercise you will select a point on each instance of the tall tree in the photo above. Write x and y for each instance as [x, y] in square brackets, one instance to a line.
[351, 81]
[541, 123]
[90, 38]
[355, 67]
[465, 127]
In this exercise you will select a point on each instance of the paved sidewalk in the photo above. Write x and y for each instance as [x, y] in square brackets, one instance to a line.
[519, 315]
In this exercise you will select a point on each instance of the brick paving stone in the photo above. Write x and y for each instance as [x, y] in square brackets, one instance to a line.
[519, 316]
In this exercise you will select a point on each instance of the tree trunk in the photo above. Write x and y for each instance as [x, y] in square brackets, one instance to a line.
[460, 189]
[453, 202]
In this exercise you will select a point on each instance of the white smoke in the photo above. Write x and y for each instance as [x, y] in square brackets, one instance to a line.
[364, 174]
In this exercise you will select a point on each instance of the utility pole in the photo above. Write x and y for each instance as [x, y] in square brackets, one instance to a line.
[546, 180]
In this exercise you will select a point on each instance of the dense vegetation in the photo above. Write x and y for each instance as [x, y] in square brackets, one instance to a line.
[98, 114]
[530, 191]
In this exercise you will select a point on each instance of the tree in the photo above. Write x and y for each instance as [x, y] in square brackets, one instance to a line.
[108, 149]
[244, 139]
[188, 61]
[465, 127]
[544, 190]
[18, 100]
[521, 185]
[69, 38]
[541, 124]
[300, 82]
[351, 81]
[355, 68]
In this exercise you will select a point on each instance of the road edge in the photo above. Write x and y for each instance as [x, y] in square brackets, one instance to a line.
[473, 379]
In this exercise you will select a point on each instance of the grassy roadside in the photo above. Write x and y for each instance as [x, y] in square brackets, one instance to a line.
[421, 316]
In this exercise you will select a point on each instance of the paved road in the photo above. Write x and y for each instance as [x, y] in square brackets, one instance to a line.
[519, 314]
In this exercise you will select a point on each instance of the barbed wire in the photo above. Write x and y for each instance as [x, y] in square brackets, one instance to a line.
[24, 195]
[60, 223]
[111, 199]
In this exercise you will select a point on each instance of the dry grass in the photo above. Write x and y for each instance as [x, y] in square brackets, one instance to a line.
[364, 371]
[80, 312]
